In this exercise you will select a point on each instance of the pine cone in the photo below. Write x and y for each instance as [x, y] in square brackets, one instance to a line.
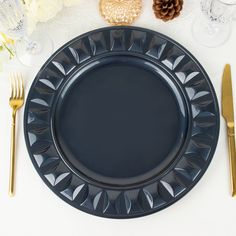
[167, 9]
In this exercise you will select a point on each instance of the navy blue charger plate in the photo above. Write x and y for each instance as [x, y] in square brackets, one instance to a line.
[121, 122]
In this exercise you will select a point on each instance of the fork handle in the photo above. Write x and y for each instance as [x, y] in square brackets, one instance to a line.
[12, 157]
[232, 158]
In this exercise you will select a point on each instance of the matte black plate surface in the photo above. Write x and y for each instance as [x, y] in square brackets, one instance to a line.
[121, 122]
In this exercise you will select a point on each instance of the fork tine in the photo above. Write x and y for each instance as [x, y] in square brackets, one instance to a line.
[12, 88]
[18, 86]
[22, 86]
[15, 81]
[14, 85]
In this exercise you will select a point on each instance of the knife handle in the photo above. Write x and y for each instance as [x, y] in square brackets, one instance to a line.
[232, 158]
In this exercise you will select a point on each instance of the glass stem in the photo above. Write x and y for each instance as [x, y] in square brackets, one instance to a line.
[32, 47]
[211, 28]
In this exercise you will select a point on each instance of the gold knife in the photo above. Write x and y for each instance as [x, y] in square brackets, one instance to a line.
[228, 114]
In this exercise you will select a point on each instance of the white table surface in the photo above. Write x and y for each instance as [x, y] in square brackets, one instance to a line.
[35, 210]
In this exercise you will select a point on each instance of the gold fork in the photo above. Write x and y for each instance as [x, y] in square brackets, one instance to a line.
[16, 101]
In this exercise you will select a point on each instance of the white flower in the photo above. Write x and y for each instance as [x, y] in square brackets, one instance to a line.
[69, 3]
[48, 9]
[41, 11]
[44, 10]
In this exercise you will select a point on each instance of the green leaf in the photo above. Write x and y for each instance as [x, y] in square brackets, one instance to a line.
[9, 50]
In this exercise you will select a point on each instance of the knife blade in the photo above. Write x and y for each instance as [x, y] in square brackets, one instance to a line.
[227, 95]
[228, 114]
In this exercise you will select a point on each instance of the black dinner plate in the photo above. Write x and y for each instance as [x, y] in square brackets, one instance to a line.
[121, 122]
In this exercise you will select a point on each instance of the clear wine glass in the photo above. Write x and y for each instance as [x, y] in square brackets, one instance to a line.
[214, 28]
[31, 50]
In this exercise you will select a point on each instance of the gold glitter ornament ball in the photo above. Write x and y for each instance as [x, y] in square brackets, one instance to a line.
[120, 12]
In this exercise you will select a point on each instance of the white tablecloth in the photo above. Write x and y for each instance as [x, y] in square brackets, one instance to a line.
[35, 210]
